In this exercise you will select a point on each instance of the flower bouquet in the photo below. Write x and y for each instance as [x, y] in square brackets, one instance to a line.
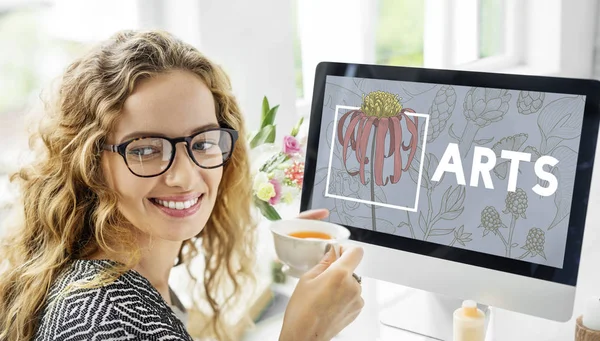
[278, 171]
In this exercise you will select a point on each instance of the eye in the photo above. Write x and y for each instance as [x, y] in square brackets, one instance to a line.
[144, 151]
[203, 145]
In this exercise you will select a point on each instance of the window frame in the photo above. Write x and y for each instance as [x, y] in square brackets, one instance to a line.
[538, 39]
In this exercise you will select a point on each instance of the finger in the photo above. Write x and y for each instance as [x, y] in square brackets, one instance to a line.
[328, 259]
[350, 258]
[315, 214]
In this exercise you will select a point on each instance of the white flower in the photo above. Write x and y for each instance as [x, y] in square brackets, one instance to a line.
[260, 179]
[289, 194]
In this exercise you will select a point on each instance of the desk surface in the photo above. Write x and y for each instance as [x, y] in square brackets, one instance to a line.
[504, 325]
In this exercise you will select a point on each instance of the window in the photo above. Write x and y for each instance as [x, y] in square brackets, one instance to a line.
[399, 35]
[458, 34]
[39, 39]
[492, 28]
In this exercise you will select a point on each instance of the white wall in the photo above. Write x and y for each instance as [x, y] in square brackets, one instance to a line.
[251, 40]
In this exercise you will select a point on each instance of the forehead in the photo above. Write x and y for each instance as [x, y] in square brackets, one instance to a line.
[170, 104]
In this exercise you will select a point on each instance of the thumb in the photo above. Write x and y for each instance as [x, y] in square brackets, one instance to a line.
[326, 261]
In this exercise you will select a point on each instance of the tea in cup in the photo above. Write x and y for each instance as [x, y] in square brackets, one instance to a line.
[301, 243]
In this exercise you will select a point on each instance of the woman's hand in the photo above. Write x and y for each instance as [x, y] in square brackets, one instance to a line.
[327, 298]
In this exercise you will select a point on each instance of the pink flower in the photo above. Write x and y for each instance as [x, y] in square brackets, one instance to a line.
[295, 173]
[290, 145]
[275, 200]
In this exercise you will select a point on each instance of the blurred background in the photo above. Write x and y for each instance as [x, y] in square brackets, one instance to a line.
[271, 47]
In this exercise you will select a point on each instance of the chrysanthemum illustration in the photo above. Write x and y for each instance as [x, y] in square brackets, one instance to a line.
[379, 119]
[381, 112]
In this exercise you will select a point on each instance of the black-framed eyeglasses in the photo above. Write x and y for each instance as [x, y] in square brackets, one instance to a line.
[151, 156]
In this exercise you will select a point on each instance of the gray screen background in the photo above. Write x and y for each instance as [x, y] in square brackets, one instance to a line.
[473, 218]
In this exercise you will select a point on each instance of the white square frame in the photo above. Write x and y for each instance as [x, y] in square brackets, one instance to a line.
[403, 208]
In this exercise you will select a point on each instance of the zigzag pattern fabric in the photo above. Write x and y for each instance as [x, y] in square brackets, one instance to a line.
[130, 308]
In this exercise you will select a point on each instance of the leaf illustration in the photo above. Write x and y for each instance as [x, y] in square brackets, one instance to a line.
[535, 154]
[415, 89]
[422, 224]
[483, 141]
[459, 232]
[440, 232]
[453, 134]
[560, 120]
[513, 143]
[383, 225]
[444, 203]
[451, 215]
[414, 174]
[456, 199]
[565, 174]
[321, 175]
[429, 166]
[501, 169]
[514, 245]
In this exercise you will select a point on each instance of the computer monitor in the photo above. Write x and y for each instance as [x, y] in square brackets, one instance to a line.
[464, 184]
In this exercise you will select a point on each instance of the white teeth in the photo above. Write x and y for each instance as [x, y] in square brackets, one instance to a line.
[177, 205]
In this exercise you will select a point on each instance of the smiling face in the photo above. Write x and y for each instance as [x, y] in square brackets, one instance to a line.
[175, 205]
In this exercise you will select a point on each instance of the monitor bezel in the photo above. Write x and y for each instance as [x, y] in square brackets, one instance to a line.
[568, 274]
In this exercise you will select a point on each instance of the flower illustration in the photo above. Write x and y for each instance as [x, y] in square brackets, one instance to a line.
[382, 113]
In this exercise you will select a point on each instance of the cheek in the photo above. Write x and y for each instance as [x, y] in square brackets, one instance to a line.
[213, 179]
[130, 188]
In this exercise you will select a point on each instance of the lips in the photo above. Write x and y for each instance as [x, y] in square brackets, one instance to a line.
[178, 206]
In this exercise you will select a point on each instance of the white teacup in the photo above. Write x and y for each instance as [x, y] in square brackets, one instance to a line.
[301, 254]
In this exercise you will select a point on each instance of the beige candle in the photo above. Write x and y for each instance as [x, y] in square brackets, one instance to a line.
[469, 323]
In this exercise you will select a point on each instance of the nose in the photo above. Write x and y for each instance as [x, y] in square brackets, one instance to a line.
[183, 171]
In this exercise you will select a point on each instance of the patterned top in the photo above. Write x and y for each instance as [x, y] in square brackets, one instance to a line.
[130, 308]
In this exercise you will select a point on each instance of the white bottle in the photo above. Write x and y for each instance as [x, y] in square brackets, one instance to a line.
[468, 323]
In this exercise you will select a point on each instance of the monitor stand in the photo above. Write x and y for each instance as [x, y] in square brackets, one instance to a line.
[424, 313]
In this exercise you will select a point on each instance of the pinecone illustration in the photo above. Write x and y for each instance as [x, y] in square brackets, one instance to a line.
[440, 111]
[490, 219]
[516, 203]
[530, 102]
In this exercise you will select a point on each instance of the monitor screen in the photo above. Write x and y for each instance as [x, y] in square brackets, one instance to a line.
[466, 170]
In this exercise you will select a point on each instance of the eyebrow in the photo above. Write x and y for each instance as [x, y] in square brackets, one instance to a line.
[137, 134]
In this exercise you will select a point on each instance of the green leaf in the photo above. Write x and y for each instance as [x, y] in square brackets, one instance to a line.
[264, 135]
[269, 118]
[440, 232]
[267, 210]
[265, 110]
[296, 128]
[271, 135]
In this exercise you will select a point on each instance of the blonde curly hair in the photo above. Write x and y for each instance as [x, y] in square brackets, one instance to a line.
[68, 211]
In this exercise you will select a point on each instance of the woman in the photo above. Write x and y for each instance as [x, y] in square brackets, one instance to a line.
[143, 162]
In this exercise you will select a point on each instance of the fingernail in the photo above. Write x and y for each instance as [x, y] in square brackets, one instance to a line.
[327, 248]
